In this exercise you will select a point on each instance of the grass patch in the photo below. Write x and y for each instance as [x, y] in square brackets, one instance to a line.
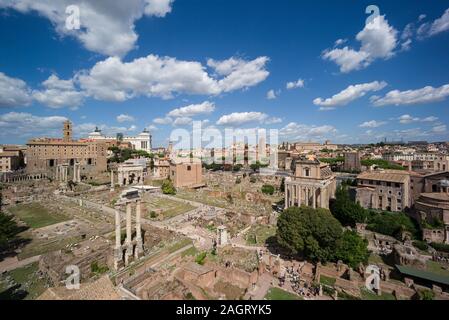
[29, 285]
[435, 267]
[37, 216]
[368, 295]
[279, 294]
[328, 281]
[170, 208]
[191, 252]
[258, 235]
[179, 245]
[41, 246]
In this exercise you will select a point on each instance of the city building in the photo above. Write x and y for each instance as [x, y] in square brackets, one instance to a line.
[44, 155]
[140, 142]
[352, 161]
[384, 190]
[186, 173]
[313, 184]
[9, 161]
[161, 168]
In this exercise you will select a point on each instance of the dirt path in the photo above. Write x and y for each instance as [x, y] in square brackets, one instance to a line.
[13, 263]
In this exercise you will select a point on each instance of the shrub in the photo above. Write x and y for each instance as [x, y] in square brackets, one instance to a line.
[391, 223]
[168, 188]
[440, 247]
[268, 189]
[200, 259]
[421, 245]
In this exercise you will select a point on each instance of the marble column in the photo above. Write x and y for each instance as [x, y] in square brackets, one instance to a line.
[139, 246]
[129, 246]
[286, 195]
[112, 181]
[118, 236]
[314, 198]
[74, 173]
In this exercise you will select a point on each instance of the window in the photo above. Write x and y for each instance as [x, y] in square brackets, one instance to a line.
[189, 168]
[397, 185]
[388, 184]
[307, 172]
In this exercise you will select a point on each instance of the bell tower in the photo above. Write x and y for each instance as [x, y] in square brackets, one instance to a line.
[67, 131]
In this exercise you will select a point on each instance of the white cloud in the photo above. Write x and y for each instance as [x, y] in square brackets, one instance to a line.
[271, 95]
[107, 27]
[182, 121]
[439, 129]
[59, 93]
[13, 92]
[372, 124]
[240, 118]
[406, 119]
[163, 121]
[124, 118]
[295, 84]
[152, 127]
[26, 125]
[427, 94]
[349, 94]
[440, 25]
[305, 132]
[83, 129]
[158, 8]
[239, 73]
[163, 77]
[378, 41]
[192, 110]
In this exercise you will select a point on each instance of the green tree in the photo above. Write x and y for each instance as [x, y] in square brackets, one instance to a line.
[391, 223]
[268, 189]
[352, 249]
[8, 228]
[347, 211]
[312, 232]
[168, 188]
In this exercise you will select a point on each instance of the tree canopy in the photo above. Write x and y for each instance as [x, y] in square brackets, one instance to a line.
[168, 188]
[352, 249]
[313, 232]
[347, 211]
[319, 236]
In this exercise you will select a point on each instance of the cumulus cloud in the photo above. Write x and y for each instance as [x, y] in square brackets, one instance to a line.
[271, 95]
[239, 73]
[106, 27]
[372, 124]
[241, 118]
[193, 110]
[429, 29]
[158, 8]
[182, 121]
[59, 93]
[406, 119]
[439, 129]
[305, 132]
[124, 118]
[156, 76]
[378, 40]
[14, 92]
[349, 94]
[295, 84]
[26, 125]
[427, 94]
[163, 121]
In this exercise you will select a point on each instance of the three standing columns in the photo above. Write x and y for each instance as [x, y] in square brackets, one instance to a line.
[129, 242]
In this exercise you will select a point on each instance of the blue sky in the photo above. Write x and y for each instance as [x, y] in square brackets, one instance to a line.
[160, 64]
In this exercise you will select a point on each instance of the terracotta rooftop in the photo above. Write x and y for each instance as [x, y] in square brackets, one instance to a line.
[385, 175]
